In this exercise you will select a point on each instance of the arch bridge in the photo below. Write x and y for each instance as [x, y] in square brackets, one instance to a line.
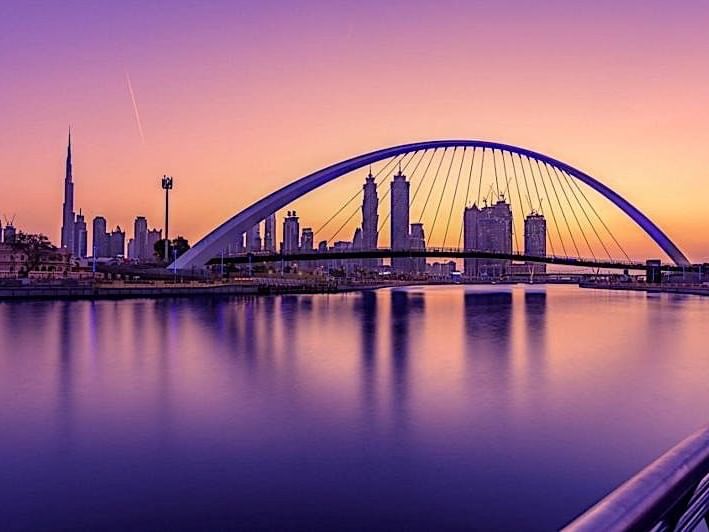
[533, 182]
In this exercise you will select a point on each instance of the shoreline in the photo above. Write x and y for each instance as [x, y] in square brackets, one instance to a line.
[250, 287]
[649, 289]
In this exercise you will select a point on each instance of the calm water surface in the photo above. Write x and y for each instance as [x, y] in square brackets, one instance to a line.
[418, 408]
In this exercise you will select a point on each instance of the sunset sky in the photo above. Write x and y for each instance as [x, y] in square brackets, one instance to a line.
[238, 98]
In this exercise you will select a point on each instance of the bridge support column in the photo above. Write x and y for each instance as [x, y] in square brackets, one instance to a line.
[653, 272]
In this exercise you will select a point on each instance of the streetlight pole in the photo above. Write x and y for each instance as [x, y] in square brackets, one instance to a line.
[167, 187]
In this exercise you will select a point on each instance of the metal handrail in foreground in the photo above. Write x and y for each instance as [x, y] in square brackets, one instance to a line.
[672, 493]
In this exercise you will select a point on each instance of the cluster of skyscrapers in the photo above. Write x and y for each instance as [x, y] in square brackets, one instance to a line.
[106, 244]
[488, 228]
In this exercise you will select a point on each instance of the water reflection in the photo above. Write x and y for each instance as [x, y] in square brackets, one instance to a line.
[65, 403]
[405, 307]
[535, 305]
[409, 408]
[488, 317]
[366, 307]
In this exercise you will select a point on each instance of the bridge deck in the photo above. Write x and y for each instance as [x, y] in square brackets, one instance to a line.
[443, 253]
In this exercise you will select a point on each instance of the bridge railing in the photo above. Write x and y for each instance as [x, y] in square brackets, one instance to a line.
[672, 493]
[442, 252]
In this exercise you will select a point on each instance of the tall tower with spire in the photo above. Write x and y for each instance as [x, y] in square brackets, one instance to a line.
[370, 219]
[67, 236]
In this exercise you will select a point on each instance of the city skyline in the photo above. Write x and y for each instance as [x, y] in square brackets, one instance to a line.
[643, 130]
[419, 265]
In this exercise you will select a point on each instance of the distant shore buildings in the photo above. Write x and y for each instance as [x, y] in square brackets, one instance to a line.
[105, 244]
[486, 228]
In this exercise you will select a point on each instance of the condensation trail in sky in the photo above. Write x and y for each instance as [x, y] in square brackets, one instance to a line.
[135, 108]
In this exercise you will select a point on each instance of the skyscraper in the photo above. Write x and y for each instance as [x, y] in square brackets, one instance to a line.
[67, 236]
[306, 240]
[400, 221]
[488, 229]
[140, 238]
[470, 238]
[80, 236]
[291, 233]
[418, 241]
[117, 242]
[253, 239]
[535, 239]
[269, 233]
[100, 238]
[370, 220]
[154, 236]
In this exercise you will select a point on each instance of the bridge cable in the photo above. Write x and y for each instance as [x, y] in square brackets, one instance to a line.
[494, 166]
[534, 182]
[443, 191]
[435, 178]
[515, 232]
[455, 193]
[359, 191]
[467, 196]
[574, 181]
[573, 211]
[539, 199]
[384, 196]
[357, 209]
[561, 208]
[583, 210]
[551, 207]
[423, 177]
[480, 182]
[413, 173]
[529, 198]
[406, 165]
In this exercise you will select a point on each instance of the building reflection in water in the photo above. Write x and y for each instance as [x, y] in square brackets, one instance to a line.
[488, 319]
[366, 307]
[535, 306]
[488, 316]
[404, 306]
[65, 402]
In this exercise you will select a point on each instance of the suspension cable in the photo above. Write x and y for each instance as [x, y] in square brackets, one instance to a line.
[539, 199]
[521, 209]
[480, 182]
[406, 165]
[561, 208]
[467, 195]
[359, 191]
[583, 210]
[423, 177]
[494, 166]
[574, 181]
[514, 169]
[534, 182]
[443, 191]
[435, 178]
[413, 173]
[573, 211]
[357, 209]
[455, 193]
[551, 207]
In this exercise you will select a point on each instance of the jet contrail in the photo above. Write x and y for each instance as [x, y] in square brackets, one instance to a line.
[135, 108]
